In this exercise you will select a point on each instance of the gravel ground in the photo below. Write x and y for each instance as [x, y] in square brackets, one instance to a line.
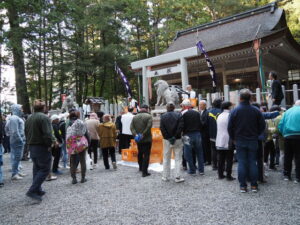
[124, 197]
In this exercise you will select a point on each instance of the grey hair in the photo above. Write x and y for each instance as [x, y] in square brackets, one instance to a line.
[203, 101]
[297, 103]
[245, 94]
[186, 102]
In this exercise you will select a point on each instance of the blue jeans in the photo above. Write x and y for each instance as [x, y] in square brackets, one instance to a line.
[64, 154]
[16, 152]
[1, 163]
[192, 142]
[247, 162]
[41, 159]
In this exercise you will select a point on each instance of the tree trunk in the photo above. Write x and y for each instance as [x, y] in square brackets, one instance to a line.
[61, 55]
[16, 38]
[45, 63]
[40, 61]
[52, 75]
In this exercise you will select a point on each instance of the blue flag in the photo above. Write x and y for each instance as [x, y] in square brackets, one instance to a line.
[209, 64]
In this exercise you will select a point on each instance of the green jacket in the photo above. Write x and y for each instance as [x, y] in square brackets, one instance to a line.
[38, 130]
[142, 124]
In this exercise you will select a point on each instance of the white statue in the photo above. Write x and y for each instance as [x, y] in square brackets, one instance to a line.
[165, 94]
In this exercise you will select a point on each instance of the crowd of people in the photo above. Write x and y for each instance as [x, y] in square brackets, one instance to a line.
[197, 137]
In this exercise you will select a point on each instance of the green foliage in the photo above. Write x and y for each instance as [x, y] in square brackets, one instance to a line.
[73, 45]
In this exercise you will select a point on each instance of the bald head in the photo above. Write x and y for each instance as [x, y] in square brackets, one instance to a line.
[202, 105]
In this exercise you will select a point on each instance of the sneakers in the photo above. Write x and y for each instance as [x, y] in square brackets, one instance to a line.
[16, 177]
[297, 181]
[254, 189]
[165, 179]
[201, 173]
[286, 178]
[243, 189]
[41, 193]
[22, 174]
[179, 180]
[83, 180]
[114, 164]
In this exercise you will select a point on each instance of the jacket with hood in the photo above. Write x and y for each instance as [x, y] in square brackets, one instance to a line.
[15, 127]
[107, 134]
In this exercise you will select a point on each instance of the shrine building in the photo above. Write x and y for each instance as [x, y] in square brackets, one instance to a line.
[229, 44]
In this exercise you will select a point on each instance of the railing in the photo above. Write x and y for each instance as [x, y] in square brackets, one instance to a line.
[233, 96]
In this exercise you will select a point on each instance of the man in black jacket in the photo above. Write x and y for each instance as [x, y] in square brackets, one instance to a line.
[204, 116]
[192, 128]
[171, 129]
[277, 94]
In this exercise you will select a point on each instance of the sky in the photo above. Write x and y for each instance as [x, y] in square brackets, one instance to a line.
[8, 73]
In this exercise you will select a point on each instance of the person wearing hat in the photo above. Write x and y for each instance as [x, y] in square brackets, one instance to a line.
[141, 129]
[56, 150]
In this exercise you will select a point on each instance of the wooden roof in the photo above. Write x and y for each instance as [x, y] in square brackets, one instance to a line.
[233, 30]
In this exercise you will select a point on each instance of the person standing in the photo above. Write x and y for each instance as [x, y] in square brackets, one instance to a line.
[108, 135]
[245, 125]
[204, 116]
[1, 150]
[192, 129]
[93, 127]
[141, 129]
[62, 131]
[289, 127]
[277, 94]
[191, 94]
[15, 130]
[214, 112]
[56, 150]
[77, 143]
[38, 131]
[224, 145]
[171, 129]
[126, 134]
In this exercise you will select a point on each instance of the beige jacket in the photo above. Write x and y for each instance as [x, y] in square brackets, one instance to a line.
[93, 128]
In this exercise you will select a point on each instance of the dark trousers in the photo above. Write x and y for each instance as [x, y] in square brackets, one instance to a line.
[144, 150]
[93, 148]
[206, 148]
[41, 159]
[56, 154]
[291, 150]
[277, 102]
[6, 144]
[74, 163]
[270, 150]
[214, 155]
[184, 163]
[225, 156]
[124, 141]
[105, 153]
[260, 161]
